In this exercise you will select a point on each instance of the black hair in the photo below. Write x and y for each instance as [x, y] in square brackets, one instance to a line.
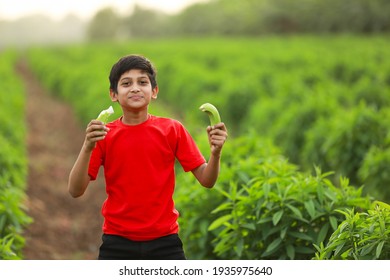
[130, 62]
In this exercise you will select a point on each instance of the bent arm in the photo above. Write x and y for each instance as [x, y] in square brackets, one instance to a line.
[78, 177]
[207, 173]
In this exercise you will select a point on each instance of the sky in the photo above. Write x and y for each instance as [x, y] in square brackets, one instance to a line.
[14, 9]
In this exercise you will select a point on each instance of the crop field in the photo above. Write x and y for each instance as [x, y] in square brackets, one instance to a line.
[308, 120]
[13, 159]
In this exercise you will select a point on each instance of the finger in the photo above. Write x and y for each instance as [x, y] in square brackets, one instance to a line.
[96, 122]
[96, 138]
[96, 133]
[218, 132]
[220, 125]
[218, 139]
[96, 127]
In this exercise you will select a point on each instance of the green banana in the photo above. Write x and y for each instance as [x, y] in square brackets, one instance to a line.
[212, 111]
[105, 114]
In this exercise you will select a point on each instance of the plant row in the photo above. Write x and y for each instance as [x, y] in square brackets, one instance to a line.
[13, 160]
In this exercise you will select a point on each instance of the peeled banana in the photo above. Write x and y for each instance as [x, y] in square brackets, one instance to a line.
[105, 114]
[212, 111]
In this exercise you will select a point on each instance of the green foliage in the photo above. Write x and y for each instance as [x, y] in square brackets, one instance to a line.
[259, 17]
[196, 204]
[361, 236]
[13, 161]
[289, 129]
[262, 207]
[375, 173]
[280, 214]
[343, 145]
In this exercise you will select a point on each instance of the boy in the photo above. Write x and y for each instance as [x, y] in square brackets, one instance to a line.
[138, 153]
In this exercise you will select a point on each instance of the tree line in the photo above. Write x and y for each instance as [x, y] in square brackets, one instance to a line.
[245, 18]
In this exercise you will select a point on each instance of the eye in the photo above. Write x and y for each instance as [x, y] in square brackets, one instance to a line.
[143, 82]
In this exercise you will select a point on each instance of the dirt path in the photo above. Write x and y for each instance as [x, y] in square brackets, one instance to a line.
[64, 227]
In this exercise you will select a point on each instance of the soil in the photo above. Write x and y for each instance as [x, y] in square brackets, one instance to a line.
[63, 227]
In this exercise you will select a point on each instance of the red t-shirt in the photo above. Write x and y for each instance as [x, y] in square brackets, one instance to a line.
[139, 171]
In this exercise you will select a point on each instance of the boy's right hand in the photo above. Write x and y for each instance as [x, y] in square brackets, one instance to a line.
[95, 132]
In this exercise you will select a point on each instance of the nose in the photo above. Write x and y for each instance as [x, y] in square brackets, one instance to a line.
[134, 88]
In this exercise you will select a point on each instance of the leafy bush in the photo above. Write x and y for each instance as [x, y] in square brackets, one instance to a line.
[342, 142]
[280, 214]
[261, 208]
[361, 236]
[288, 130]
[375, 173]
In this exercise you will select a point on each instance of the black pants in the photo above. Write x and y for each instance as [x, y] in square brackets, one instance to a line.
[115, 247]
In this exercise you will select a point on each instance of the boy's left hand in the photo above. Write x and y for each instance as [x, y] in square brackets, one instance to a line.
[217, 135]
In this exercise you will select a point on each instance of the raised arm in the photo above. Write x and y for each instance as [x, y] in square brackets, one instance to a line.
[207, 173]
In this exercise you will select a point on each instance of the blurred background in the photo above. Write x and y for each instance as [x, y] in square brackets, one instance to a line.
[42, 22]
[303, 86]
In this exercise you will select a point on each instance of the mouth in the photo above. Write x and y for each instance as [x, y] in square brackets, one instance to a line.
[136, 97]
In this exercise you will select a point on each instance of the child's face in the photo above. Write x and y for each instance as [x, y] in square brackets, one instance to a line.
[134, 91]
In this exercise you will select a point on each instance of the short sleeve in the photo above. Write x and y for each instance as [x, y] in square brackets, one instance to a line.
[95, 161]
[187, 152]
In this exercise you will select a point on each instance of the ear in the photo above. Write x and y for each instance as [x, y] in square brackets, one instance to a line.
[113, 95]
[154, 92]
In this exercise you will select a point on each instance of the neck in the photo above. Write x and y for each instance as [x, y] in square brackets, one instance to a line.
[134, 118]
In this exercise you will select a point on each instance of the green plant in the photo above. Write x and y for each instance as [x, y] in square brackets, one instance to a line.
[13, 160]
[280, 213]
[196, 204]
[341, 142]
[375, 173]
[361, 236]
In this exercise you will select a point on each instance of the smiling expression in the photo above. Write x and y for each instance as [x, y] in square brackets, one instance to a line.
[134, 91]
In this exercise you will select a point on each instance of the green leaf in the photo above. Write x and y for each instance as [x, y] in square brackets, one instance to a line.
[222, 207]
[266, 189]
[276, 217]
[367, 249]
[249, 226]
[295, 210]
[225, 193]
[338, 249]
[3, 219]
[239, 247]
[379, 249]
[309, 205]
[264, 220]
[290, 250]
[283, 232]
[304, 250]
[220, 221]
[273, 246]
[223, 245]
[300, 235]
[322, 234]
[382, 204]
[333, 222]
